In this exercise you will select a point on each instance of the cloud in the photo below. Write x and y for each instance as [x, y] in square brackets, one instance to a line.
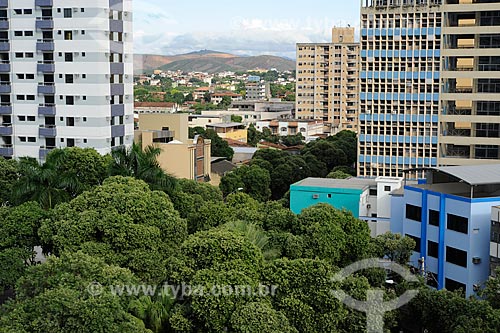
[243, 36]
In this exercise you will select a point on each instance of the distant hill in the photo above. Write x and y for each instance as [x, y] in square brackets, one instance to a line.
[209, 61]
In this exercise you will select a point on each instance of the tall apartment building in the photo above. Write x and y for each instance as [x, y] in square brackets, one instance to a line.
[66, 76]
[328, 81]
[400, 84]
[258, 91]
[470, 119]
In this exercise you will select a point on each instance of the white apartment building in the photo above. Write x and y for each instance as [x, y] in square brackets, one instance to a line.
[66, 75]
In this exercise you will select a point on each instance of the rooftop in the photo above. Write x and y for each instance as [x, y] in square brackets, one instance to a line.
[350, 183]
[154, 104]
[225, 125]
[474, 174]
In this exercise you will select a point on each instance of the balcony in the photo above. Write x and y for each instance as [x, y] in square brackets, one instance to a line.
[45, 45]
[47, 109]
[45, 88]
[44, 151]
[4, 66]
[48, 131]
[117, 110]
[4, 3]
[117, 68]
[116, 47]
[6, 129]
[6, 150]
[4, 45]
[116, 4]
[46, 67]
[4, 23]
[117, 89]
[44, 3]
[5, 108]
[117, 131]
[116, 26]
[44, 23]
[5, 87]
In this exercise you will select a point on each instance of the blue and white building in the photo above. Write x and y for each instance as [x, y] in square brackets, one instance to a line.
[399, 86]
[450, 219]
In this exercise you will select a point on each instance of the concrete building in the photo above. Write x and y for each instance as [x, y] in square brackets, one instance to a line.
[216, 98]
[181, 157]
[470, 99]
[283, 127]
[233, 131]
[66, 76]
[253, 111]
[155, 107]
[400, 86]
[258, 90]
[449, 217]
[495, 241]
[366, 199]
[328, 81]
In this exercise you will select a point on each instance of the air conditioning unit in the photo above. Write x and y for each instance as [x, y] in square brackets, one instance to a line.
[315, 196]
[368, 206]
[476, 260]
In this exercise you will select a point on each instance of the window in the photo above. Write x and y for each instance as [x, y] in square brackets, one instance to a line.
[22, 138]
[20, 76]
[70, 100]
[28, 33]
[83, 32]
[69, 78]
[18, 33]
[456, 256]
[434, 217]
[19, 55]
[414, 213]
[458, 223]
[329, 196]
[31, 139]
[20, 97]
[68, 12]
[18, 11]
[70, 121]
[84, 140]
[453, 285]
[30, 76]
[84, 119]
[30, 97]
[432, 249]
[68, 35]
[21, 118]
[28, 11]
[29, 55]
[387, 189]
[373, 191]
[83, 54]
[84, 76]
[417, 242]
[31, 118]
[68, 57]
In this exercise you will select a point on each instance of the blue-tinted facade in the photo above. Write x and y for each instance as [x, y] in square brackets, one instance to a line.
[400, 85]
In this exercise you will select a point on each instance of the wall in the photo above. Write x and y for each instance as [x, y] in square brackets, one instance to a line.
[301, 197]
[175, 122]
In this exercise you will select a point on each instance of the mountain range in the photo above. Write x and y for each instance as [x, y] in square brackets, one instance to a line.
[209, 61]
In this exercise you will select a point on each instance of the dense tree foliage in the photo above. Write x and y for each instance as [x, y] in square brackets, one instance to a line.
[53, 297]
[231, 244]
[122, 221]
[18, 238]
[252, 180]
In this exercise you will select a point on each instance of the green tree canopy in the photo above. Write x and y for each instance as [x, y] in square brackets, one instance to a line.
[252, 180]
[53, 297]
[122, 221]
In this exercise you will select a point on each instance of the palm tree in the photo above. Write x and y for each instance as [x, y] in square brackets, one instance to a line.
[142, 164]
[43, 183]
[154, 312]
[256, 235]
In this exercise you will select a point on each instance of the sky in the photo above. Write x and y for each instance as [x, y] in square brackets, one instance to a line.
[248, 27]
